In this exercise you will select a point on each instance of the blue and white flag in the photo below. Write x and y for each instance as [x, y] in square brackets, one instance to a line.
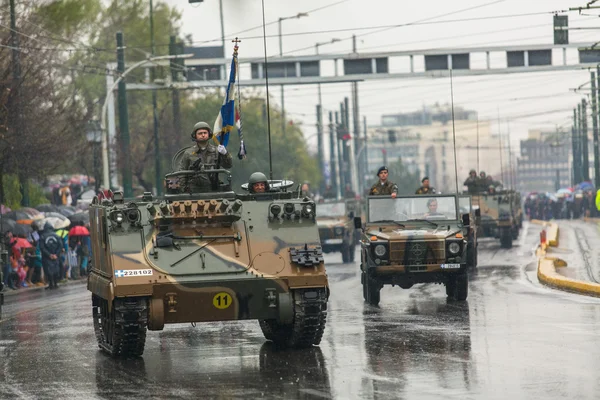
[226, 118]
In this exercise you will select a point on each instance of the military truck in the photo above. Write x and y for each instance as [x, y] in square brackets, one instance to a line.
[500, 217]
[465, 207]
[336, 228]
[212, 256]
[414, 239]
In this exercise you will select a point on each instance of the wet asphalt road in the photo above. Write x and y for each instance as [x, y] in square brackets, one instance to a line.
[513, 339]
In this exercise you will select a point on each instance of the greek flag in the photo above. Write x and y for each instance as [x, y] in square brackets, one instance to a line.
[226, 118]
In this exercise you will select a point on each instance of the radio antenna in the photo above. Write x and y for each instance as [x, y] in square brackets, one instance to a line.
[267, 87]
[453, 130]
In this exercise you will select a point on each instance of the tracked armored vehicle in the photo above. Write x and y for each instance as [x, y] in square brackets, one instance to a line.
[336, 228]
[414, 239]
[500, 216]
[212, 256]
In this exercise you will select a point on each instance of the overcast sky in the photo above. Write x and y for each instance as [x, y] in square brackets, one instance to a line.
[509, 96]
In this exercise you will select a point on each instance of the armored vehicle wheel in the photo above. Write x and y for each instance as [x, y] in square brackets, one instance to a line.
[372, 291]
[458, 287]
[506, 239]
[310, 314]
[121, 332]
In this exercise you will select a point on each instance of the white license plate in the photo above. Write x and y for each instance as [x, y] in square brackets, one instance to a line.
[450, 266]
[334, 241]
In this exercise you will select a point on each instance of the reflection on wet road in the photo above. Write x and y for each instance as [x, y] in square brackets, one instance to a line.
[512, 339]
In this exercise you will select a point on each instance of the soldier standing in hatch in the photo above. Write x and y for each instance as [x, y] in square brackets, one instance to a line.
[384, 186]
[425, 188]
[203, 153]
[258, 183]
[472, 182]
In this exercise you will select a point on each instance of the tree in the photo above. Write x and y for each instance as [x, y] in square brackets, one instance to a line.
[407, 181]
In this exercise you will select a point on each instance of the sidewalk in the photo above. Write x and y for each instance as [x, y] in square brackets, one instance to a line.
[10, 292]
[579, 246]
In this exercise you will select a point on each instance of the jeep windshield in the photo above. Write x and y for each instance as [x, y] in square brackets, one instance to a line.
[331, 209]
[413, 208]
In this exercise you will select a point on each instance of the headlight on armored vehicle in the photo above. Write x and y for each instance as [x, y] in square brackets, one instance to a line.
[338, 231]
[380, 250]
[308, 211]
[117, 216]
[454, 248]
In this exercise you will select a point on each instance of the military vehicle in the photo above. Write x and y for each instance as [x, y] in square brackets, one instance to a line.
[336, 228]
[465, 207]
[213, 256]
[501, 216]
[414, 239]
[3, 262]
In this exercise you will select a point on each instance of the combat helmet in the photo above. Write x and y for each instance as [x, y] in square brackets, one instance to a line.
[256, 178]
[201, 125]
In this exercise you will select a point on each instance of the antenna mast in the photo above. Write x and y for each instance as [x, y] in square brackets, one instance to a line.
[453, 130]
[267, 87]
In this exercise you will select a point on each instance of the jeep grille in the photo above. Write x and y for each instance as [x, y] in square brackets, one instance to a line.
[416, 253]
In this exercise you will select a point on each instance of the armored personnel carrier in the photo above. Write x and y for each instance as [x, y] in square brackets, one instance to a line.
[206, 256]
[414, 239]
[501, 216]
[336, 228]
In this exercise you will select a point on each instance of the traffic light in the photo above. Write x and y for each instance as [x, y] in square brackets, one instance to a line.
[391, 136]
[561, 32]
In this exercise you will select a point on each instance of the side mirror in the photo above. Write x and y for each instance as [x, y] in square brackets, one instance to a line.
[357, 223]
[478, 213]
[351, 215]
[466, 220]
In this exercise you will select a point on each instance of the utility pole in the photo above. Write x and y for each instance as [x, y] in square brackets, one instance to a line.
[595, 130]
[340, 155]
[16, 87]
[158, 174]
[332, 158]
[366, 150]
[173, 50]
[575, 145]
[356, 120]
[584, 140]
[320, 145]
[282, 92]
[343, 131]
[124, 120]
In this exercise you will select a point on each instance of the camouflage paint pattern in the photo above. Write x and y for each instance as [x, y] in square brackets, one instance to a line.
[499, 210]
[337, 231]
[236, 262]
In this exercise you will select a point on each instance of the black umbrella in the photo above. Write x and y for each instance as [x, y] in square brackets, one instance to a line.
[80, 217]
[66, 210]
[17, 215]
[7, 225]
[47, 208]
[22, 230]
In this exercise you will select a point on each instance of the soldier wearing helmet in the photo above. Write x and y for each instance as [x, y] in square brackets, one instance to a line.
[472, 182]
[203, 153]
[258, 183]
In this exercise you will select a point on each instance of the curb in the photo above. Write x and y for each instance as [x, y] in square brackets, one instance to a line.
[547, 269]
[11, 293]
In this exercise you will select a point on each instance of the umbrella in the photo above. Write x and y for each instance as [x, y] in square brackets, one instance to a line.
[568, 192]
[67, 210]
[80, 217]
[57, 223]
[7, 225]
[584, 186]
[22, 244]
[33, 213]
[55, 215]
[79, 231]
[19, 216]
[22, 230]
[47, 208]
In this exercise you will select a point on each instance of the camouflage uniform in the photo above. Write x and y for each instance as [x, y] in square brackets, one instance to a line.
[425, 190]
[387, 188]
[207, 156]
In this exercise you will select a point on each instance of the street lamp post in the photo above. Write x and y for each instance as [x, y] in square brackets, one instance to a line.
[281, 19]
[93, 135]
[109, 98]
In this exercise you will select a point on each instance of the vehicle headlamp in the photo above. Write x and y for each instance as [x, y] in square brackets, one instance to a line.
[275, 210]
[454, 248]
[308, 211]
[289, 208]
[380, 250]
[119, 217]
[339, 230]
